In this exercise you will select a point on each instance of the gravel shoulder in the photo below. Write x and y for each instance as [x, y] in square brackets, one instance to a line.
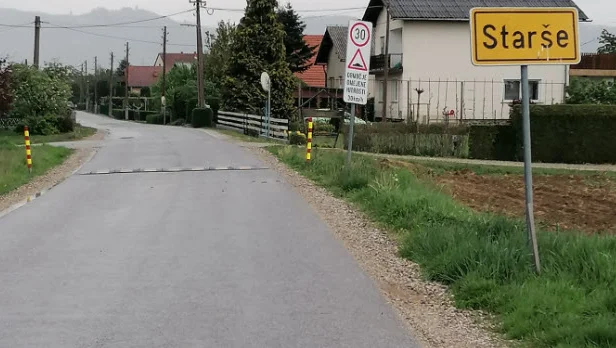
[53, 177]
[426, 307]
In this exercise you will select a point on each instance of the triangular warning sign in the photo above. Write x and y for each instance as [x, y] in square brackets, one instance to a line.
[358, 62]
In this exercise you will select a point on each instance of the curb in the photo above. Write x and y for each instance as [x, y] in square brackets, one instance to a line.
[33, 197]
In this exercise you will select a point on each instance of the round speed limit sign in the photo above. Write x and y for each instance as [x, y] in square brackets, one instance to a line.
[360, 34]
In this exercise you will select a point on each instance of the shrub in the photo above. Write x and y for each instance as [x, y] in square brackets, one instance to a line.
[569, 133]
[494, 142]
[297, 139]
[202, 117]
[103, 109]
[402, 139]
[64, 124]
[178, 122]
[118, 114]
[39, 125]
[154, 119]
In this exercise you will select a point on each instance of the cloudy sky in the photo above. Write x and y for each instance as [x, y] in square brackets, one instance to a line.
[601, 11]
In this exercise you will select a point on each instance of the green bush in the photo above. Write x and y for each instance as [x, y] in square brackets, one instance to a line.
[323, 128]
[202, 117]
[297, 139]
[64, 124]
[103, 109]
[178, 122]
[39, 125]
[569, 133]
[402, 139]
[154, 119]
[493, 142]
[81, 106]
[118, 114]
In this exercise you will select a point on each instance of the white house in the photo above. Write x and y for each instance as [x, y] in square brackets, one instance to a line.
[430, 51]
[332, 56]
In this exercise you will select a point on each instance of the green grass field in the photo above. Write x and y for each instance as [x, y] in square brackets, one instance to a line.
[483, 258]
[18, 138]
[13, 169]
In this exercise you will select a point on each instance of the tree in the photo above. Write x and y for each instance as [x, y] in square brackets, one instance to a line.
[217, 59]
[257, 47]
[123, 65]
[608, 42]
[38, 92]
[298, 52]
[6, 95]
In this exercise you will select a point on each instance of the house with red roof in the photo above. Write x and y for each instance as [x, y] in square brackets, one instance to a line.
[173, 59]
[142, 76]
[314, 76]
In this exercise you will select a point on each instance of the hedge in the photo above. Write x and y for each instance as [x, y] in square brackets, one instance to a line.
[154, 119]
[492, 142]
[202, 117]
[403, 139]
[569, 133]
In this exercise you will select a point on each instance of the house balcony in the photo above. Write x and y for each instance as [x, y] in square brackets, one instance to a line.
[380, 62]
[595, 65]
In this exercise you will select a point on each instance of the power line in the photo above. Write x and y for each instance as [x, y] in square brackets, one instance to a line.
[116, 37]
[126, 23]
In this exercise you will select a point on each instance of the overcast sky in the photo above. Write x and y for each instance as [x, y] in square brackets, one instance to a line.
[601, 11]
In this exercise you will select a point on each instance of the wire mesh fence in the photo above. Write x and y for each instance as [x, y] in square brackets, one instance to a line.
[452, 100]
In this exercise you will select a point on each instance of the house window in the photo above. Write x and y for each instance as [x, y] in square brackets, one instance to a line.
[394, 91]
[513, 90]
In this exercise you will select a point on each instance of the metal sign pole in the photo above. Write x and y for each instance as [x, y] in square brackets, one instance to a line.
[528, 174]
[269, 109]
[350, 142]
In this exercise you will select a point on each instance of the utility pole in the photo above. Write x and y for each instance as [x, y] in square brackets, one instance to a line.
[95, 85]
[111, 87]
[37, 40]
[87, 88]
[126, 83]
[200, 96]
[387, 63]
[81, 92]
[164, 82]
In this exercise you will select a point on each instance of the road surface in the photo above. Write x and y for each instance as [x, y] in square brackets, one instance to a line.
[204, 257]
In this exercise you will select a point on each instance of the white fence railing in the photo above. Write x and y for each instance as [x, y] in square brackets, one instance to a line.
[278, 127]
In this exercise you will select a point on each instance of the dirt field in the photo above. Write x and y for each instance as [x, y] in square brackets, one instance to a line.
[568, 202]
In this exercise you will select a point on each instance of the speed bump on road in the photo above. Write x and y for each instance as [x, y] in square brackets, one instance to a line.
[172, 170]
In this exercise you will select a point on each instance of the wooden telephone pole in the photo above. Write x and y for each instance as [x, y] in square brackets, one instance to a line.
[37, 40]
[126, 83]
[95, 85]
[111, 87]
[164, 82]
[200, 95]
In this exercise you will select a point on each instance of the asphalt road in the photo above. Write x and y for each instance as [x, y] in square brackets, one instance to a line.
[216, 258]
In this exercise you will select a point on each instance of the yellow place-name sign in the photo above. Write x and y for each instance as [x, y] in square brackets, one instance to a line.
[523, 36]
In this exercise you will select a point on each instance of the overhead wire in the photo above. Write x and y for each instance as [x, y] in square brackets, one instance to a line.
[116, 37]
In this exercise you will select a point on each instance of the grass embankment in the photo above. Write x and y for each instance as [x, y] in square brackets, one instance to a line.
[80, 132]
[483, 258]
[13, 169]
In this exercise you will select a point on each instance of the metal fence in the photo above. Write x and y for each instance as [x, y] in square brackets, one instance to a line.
[9, 123]
[275, 128]
[439, 100]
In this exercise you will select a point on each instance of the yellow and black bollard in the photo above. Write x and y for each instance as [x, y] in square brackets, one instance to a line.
[28, 150]
[309, 140]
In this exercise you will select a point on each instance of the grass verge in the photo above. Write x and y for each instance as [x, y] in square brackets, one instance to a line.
[13, 169]
[80, 132]
[483, 258]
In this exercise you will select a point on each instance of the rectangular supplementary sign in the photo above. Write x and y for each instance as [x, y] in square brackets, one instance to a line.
[524, 36]
[357, 72]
